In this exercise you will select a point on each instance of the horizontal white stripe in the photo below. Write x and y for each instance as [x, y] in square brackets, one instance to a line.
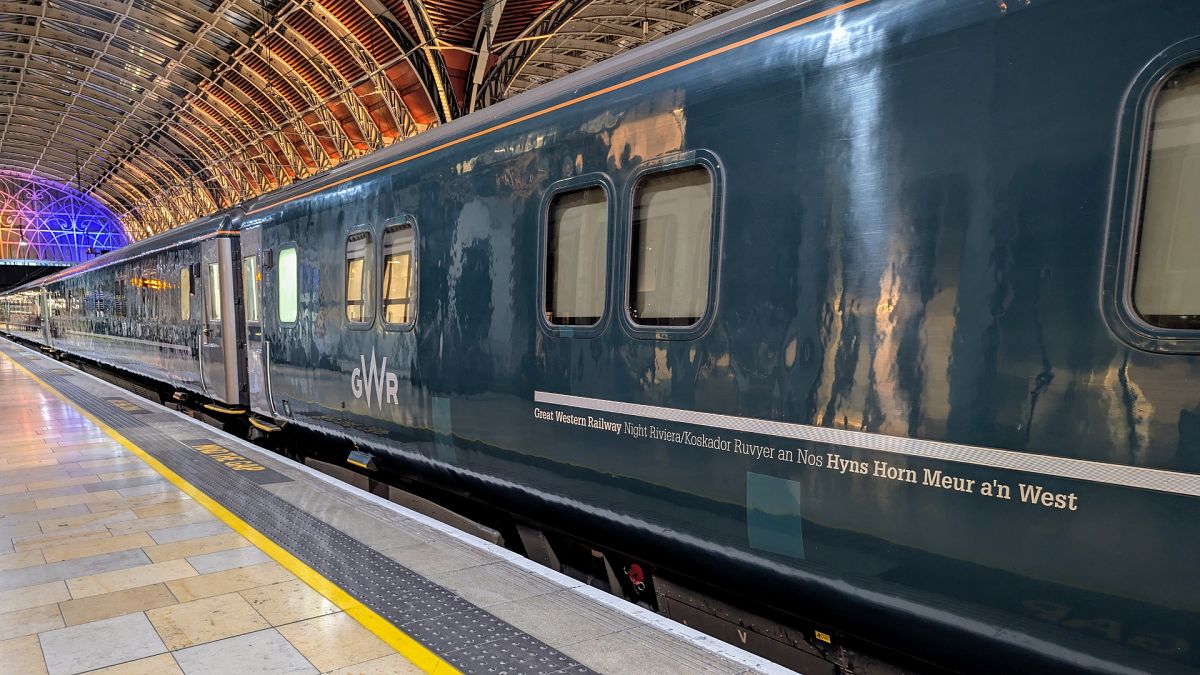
[118, 338]
[1097, 472]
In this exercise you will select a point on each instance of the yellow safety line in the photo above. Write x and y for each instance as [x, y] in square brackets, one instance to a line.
[412, 650]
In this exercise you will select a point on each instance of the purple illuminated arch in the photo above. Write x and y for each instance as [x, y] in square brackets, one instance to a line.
[44, 220]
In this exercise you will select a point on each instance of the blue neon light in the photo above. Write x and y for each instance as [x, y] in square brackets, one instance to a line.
[44, 220]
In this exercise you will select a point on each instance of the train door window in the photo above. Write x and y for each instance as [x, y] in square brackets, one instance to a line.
[671, 246]
[140, 296]
[250, 287]
[359, 309]
[576, 257]
[101, 300]
[399, 274]
[287, 269]
[1168, 257]
[214, 292]
[119, 302]
[185, 292]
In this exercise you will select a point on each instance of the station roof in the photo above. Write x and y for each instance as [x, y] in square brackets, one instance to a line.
[167, 110]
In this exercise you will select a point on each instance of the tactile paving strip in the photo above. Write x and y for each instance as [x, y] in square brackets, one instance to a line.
[466, 636]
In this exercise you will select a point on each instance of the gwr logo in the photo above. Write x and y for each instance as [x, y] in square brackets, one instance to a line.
[364, 381]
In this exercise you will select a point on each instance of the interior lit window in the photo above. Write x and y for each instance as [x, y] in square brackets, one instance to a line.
[358, 306]
[399, 265]
[250, 286]
[185, 293]
[214, 292]
[289, 282]
[576, 257]
[671, 247]
[1166, 290]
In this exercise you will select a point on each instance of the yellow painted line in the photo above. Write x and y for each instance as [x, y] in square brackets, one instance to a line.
[262, 426]
[412, 650]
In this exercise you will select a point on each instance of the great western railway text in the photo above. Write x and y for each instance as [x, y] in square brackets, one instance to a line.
[876, 469]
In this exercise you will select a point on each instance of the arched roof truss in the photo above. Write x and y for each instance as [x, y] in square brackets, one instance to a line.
[166, 110]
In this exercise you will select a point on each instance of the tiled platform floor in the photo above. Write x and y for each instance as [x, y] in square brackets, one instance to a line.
[145, 573]
[105, 567]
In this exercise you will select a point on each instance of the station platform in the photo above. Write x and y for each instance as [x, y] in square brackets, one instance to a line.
[135, 539]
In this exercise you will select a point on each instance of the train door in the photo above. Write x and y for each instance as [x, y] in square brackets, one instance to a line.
[252, 301]
[190, 312]
[218, 344]
[44, 324]
[280, 315]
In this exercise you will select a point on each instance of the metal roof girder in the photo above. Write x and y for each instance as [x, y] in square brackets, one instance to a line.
[62, 163]
[52, 68]
[206, 27]
[98, 53]
[134, 60]
[192, 123]
[101, 97]
[291, 155]
[444, 102]
[257, 115]
[518, 51]
[407, 47]
[548, 57]
[294, 117]
[42, 118]
[333, 127]
[56, 94]
[485, 34]
[217, 133]
[605, 28]
[531, 69]
[365, 61]
[263, 112]
[406, 126]
[27, 135]
[575, 44]
[237, 153]
[64, 154]
[147, 163]
[337, 134]
[135, 193]
[343, 93]
[643, 11]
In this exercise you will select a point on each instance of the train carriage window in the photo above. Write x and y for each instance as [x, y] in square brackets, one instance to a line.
[576, 257]
[671, 247]
[399, 278]
[185, 292]
[1168, 257]
[287, 269]
[250, 287]
[359, 308]
[214, 292]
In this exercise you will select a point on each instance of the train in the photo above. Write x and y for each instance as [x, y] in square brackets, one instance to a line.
[860, 334]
